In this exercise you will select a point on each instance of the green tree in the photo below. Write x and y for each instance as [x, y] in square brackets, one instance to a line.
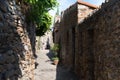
[38, 13]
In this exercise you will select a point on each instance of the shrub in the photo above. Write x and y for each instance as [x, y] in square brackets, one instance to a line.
[55, 58]
[55, 47]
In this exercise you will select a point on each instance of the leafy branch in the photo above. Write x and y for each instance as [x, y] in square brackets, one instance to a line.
[38, 13]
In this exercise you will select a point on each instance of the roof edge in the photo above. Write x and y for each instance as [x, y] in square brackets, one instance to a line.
[87, 4]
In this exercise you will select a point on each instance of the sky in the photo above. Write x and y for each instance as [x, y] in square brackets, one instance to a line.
[95, 2]
[64, 4]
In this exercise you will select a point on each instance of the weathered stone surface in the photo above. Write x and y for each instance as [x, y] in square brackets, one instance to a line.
[45, 41]
[16, 44]
[3, 6]
[65, 35]
[93, 49]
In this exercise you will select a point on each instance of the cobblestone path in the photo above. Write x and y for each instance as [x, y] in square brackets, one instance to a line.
[47, 71]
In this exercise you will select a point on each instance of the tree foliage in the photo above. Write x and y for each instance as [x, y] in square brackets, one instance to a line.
[38, 13]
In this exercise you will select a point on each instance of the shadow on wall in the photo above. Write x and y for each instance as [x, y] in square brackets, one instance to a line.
[31, 34]
[63, 73]
[15, 47]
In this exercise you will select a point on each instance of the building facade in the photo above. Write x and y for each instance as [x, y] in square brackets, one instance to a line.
[89, 40]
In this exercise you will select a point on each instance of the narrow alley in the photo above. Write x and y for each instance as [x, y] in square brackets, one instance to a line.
[59, 39]
[47, 71]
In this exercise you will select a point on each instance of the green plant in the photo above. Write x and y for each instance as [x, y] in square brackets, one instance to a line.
[54, 50]
[38, 14]
[55, 47]
[55, 53]
[55, 58]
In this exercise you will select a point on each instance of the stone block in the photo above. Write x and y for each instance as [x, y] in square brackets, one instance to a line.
[3, 6]
[12, 40]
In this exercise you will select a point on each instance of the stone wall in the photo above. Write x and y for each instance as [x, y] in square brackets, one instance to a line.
[97, 40]
[91, 48]
[17, 43]
[56, 35]
[68, 21]
[66, 32]
[83, 12]
[84, 57]
[44, 42]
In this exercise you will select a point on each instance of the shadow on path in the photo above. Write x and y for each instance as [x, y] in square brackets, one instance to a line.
[64, 74]
[47, 71]
[49, 54]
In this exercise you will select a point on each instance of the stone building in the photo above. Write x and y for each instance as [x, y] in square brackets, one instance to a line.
[90, 44]
[17, 42]
[56, 28]
[65, 30]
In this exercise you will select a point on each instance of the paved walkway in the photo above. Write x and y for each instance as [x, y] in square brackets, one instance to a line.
[47, 71]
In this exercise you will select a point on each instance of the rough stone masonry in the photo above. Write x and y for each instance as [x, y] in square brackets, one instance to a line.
[98, 44]
[95, 52]
[64, 31]
[17, 41]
